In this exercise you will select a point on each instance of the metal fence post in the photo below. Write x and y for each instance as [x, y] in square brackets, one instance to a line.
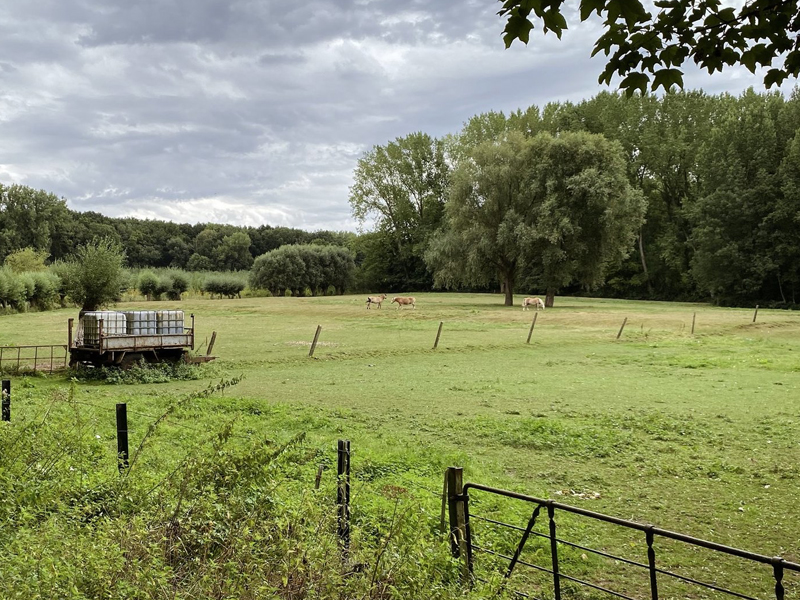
[651, 562]
[122, 437]
[554, 552]
[343, 493]
[6, 395]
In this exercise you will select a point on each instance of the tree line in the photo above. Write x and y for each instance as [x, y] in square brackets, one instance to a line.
[37, 219]
[709, 211]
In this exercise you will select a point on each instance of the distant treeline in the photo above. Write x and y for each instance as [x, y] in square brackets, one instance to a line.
[720, 177]
[40, 220]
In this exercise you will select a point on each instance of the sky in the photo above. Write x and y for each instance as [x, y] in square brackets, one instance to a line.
[256, 112]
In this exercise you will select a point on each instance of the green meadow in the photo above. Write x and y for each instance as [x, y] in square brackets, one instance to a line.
[696, 433]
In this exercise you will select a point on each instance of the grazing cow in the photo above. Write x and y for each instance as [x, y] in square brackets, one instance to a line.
[375, 300]
[535, 302]
[405, 301]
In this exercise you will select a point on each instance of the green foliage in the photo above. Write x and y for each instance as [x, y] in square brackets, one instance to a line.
[198, 262]
[26, 260]
[96, 276]
[641, 46]
[557, 208]
[148, 285]
[178, 285]
[402, 187]
[145, 373]
[230, 285]
[310, 267]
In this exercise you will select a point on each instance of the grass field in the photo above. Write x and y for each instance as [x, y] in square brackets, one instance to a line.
[694, 433]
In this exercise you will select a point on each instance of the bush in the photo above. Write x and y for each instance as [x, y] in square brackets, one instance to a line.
[46, 286]
[96, 274]
[12, 290]
[26, 260]
[229, 286]
[148, 285]
[179, 284]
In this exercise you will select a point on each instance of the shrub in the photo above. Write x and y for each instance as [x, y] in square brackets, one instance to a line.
[26, 260]
[179, 284]
[46, 289]
[148, 284]
[229, 286]
[97, 275]
[12, 290]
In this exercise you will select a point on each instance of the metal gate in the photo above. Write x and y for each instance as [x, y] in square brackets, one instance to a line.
[473, 528]
[17, 359]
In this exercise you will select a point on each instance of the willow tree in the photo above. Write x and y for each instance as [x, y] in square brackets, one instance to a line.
[558, 209]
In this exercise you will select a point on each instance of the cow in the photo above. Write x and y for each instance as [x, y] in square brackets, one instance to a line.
[375, 300]
[535, 302]
[404, 301]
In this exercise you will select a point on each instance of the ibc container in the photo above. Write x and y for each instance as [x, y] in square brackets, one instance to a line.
[169, 322]
[141, 322]
[114, 323]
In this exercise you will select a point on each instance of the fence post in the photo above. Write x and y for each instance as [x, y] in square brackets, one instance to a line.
[343, 494]
[6, 395]
[651, 562]
[530, 332]
[755, 314]
[318, 479]
[554, 552]
[438, 334]
[69, 333]
[122, 436]
[458, 517]
[314, 343]
[211, 343]
[623, 327]
[694, 317]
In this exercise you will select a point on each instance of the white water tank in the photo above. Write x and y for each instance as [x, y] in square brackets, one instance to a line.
[169, 322]
[114, 323]
[141, 322]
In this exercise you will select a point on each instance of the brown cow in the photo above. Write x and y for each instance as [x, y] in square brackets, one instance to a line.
[375, 300]
[535, 302]
[405, 301]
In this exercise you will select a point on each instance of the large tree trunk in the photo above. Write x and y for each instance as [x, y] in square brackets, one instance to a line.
[508, 285]
[644, 263]
[550, 298]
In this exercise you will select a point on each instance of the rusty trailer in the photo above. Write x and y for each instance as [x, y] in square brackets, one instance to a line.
[104, 345]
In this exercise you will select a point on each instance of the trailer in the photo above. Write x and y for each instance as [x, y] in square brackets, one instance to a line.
[122, 339]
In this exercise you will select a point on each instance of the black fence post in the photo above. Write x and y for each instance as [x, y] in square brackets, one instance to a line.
[777, 571]
[554, 552]
[625, 320]
[343, 493]
[6, 394]
[651, 562]
[122, 437]
[755, 314]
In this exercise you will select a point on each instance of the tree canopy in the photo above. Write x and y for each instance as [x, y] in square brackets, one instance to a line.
[555, 209]
[648, 49]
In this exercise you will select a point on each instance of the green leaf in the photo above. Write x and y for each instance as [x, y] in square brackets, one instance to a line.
[633, 82]
[633, 12]
[774, 77]
[666, 78]
[590, 6]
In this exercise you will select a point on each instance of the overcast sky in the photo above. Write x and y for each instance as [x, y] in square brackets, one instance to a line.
[256, 111]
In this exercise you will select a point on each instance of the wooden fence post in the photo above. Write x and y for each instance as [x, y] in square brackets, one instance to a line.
[694, 317]
[69, 332]
[6, 399]
[438, 334]
[343, 494]
[211, 343]
[314, 343]
[122, 437]
[623, 327]
[755, 314]
[318, 479]
[458, 518]
[530, 332]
